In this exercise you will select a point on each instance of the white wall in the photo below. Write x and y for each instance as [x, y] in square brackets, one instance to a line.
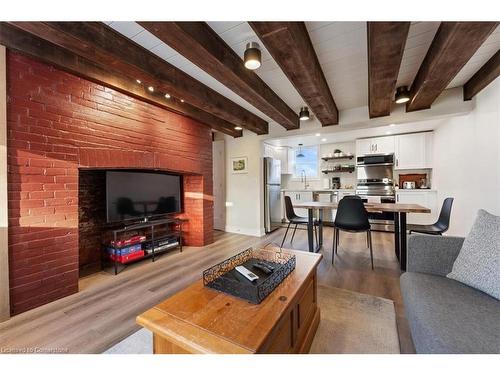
[4, 251]
[244, 192]
[467, 160]
[219, 183]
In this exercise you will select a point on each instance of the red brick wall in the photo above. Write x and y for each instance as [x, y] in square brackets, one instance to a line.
[92, 225]
[57, 123]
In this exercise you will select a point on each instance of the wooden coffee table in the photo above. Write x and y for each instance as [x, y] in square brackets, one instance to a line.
[202, 320]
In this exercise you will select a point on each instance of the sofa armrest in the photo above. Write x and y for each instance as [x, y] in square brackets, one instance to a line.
[432, 254]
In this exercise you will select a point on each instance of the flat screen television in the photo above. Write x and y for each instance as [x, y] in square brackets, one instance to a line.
[136, 195]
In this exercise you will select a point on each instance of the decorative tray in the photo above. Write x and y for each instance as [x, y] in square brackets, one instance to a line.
[223, 277]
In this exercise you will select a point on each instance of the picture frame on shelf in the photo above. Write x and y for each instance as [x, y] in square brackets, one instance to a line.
[239, 165]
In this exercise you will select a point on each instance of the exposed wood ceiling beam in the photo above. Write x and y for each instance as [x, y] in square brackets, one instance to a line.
[483, 77]
[290, 46]
[21, 41]
[102, 45]
[386, 44]
[453, 45]
[203, 47]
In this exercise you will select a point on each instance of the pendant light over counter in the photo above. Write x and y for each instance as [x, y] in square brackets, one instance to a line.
[299, 153]
[304, 114]
[253, 56]
[402, 95]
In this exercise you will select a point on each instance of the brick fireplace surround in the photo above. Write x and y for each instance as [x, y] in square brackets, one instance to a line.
[59, 123]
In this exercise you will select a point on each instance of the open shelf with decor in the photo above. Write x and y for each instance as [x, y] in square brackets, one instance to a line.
[342, 157]
[340, 169]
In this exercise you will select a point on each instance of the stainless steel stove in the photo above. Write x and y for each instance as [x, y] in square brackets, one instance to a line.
[375, 184]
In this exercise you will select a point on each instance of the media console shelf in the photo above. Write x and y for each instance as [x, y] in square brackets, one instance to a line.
[159, 237]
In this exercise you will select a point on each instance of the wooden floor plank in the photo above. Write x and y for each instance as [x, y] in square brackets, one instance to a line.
[104, 311]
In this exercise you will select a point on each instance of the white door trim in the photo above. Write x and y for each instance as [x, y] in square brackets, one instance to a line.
[4, 249]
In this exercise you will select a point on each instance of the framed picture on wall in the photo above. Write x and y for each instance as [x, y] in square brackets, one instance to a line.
[239, 165]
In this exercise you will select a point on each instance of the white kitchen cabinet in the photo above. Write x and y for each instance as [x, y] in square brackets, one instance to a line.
[268, 151]
[291, 161]
[363, 146]
[426, 198]
[284, 154]
[413, 151]
[299, 197]
[378, 145]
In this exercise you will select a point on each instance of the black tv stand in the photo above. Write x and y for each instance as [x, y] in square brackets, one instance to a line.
[172, 231]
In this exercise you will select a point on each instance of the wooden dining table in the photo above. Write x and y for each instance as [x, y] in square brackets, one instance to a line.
[398, 209]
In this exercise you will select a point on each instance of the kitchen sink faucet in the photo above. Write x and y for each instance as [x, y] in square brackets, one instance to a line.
[303, 178]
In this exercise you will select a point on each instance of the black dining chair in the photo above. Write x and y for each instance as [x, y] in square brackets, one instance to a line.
[352, 197]
[293, 218]
[440, 226]
[351, 217]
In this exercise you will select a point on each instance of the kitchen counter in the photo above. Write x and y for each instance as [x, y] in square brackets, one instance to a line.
[318, 190]
[413, 190]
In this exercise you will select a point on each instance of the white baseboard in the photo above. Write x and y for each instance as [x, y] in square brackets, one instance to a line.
[246, 231]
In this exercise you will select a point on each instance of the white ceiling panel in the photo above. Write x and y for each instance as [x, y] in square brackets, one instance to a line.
[482, 55]
[164, 51]
[147, 40]
[420, 37]
[129, 29]
[341, 48]
[223, 26]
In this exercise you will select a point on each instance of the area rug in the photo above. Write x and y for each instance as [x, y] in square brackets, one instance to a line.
[355, 323]
[351, 322]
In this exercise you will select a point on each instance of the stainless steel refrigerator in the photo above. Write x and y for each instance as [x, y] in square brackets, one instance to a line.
[272, 194]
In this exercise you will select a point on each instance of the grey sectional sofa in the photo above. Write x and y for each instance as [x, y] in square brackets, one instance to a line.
[446, 316]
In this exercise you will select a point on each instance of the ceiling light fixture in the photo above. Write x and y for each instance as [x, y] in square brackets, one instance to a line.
[304, 114]
[182, 100]
[402, 95]
[300, 154]
[252, 56]
[318, 134]
[167, 96]
[238, 128]
[151, 88]
[323, 139]
[138, 81]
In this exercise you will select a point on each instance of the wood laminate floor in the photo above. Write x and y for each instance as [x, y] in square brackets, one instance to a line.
[103, 312]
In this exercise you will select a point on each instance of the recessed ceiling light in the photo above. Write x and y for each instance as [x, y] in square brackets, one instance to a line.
[388, 132]
[138, 81]
[252, 56]
[392, 125]
[323, 139]
[151, 88]
[318, 134]
[238, 128]
[167, 96]
[304, 114]
[182, 100]
[402, 95]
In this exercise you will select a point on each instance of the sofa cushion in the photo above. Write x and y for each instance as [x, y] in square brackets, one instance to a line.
[446, 316]
[478, 263]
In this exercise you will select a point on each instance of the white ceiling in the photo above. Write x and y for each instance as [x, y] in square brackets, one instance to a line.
[482, 55]
[342, 52]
